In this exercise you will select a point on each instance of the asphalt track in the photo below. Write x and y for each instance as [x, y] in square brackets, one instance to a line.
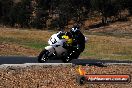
[33, 60]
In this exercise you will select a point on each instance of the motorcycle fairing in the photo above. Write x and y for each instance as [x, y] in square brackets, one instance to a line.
[59, 50]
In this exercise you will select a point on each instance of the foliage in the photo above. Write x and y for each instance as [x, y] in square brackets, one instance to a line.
[57, 13]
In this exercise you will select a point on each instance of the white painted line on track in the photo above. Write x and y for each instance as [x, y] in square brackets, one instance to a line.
[118, 63]
[35, 64]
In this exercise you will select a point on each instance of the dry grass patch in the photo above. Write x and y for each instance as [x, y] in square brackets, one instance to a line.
[108, 47]
[25, 34]
[15, 49]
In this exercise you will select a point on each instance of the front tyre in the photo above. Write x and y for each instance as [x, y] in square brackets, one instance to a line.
[43, 56]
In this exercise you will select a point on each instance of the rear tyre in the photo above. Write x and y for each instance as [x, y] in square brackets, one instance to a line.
[66, 59]
[43, 56]
[70, 56]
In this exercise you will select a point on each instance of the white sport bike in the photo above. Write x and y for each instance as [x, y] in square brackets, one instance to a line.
[55, 50]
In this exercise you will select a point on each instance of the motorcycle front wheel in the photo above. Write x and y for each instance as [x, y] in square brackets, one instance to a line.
[43, 56]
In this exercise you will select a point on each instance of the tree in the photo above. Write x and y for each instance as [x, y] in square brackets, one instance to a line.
[40, 13]
[106, 8]
[23, 13]
[129, 6]
[5, 7]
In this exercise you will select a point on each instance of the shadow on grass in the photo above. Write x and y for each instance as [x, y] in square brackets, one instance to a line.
[100, 24]
[97, 25]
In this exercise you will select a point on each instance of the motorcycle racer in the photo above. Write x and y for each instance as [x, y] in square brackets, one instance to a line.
[67, 37]
[78, 44]
[75, 43]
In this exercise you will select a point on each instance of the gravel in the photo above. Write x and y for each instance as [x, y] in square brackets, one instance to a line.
[57, 76]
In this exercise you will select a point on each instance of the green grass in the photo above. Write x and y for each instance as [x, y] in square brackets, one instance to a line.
[35, 44]
[107, 56]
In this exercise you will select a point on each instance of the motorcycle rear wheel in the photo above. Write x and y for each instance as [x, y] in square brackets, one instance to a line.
[43, 56]
[66, 60]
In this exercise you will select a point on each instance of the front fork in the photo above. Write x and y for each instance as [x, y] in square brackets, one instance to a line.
[51, 51]
[52, 54]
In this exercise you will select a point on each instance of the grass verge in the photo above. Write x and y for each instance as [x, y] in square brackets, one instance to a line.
[102, 47]
[108, 47]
